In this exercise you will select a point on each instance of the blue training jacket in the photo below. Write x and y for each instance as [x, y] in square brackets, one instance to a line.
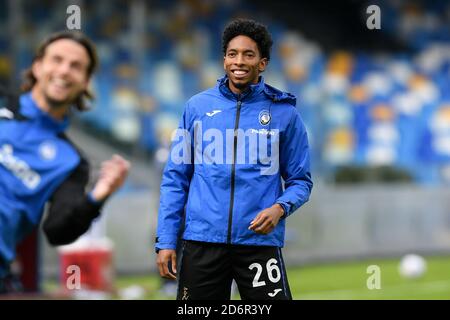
[39, 164]
[33, 162]
[227, 162]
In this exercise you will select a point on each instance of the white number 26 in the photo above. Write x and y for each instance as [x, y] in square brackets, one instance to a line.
[273, 272]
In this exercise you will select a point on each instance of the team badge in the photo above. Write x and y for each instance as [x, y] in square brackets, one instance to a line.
[264, 117]
[47, 150]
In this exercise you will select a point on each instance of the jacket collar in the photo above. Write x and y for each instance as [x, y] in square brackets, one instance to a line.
[30, 109]
[252, 91]
[255, 90]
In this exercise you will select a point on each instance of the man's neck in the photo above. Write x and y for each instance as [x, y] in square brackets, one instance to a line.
[56, 112]
[237, 91]
[240, 91]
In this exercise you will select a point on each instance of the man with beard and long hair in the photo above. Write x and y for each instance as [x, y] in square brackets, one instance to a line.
[38, 163]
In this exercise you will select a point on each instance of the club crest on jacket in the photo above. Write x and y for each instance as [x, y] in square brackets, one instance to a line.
[264, 117]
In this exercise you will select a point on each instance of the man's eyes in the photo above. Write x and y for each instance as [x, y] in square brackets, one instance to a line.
[57, 59]
[76, 66]
[248, 55]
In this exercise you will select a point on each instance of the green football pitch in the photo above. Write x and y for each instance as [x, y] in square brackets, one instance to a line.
[344, 280]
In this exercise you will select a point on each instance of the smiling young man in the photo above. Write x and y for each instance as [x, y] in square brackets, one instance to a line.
[38, 163]
[235, 145]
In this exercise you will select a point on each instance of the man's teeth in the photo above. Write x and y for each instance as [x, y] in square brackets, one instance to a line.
[239, 72]
[60, 83]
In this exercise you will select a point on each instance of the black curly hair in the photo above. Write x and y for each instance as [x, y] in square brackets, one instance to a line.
[252, 29]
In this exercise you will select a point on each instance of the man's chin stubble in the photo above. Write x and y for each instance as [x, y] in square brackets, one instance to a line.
[240, 85]
[58, 104]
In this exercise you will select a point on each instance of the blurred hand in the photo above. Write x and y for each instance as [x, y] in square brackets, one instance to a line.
[267, 220]
[164, 257]
[113, 173]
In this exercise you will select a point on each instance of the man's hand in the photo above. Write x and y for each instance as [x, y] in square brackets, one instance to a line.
[113, 173]
[267, 220]
[163, 259]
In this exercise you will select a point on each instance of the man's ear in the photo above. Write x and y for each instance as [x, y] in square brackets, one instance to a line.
[36, 68]
[224, 67]
[263, 64]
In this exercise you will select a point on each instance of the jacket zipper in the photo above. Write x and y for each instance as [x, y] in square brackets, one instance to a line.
[233, 170]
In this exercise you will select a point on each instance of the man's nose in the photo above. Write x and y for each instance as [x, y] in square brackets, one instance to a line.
[63, 68]
[239, 59]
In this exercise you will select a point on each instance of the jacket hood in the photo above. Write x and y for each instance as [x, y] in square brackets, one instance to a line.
[272, 93]
[278, 95]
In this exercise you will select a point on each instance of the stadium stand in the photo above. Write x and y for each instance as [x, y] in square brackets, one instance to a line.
[362, 108]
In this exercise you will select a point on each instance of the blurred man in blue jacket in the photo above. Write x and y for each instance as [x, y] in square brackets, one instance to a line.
[235, 145]
[38, 163]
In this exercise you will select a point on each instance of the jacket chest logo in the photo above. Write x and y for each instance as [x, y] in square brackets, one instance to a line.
[213, 113]
[264, 117]
[47, 151]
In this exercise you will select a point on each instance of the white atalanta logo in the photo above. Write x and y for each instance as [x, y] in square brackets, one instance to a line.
[47, 150]
[264, 117]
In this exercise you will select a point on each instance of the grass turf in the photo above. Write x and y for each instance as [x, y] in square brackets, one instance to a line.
[345, 280]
